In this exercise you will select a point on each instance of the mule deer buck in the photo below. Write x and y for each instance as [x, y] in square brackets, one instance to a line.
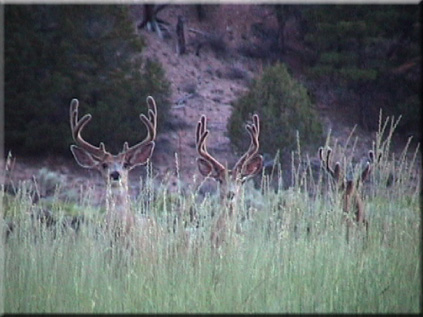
[350, 187]
[115, 168]
[230, 181]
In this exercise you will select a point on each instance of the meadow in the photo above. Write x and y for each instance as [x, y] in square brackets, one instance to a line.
[290, 256]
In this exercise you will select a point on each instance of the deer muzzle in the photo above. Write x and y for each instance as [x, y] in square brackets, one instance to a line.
[114, 176]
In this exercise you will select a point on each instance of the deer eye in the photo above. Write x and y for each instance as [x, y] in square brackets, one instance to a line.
[104, 166]
[126, 165]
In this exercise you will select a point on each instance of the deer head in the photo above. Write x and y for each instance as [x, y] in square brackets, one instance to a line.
[113, 168]
[337, 174]
[247, 166]
[348, 184]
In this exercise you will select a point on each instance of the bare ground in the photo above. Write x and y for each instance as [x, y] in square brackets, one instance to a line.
[208, 84]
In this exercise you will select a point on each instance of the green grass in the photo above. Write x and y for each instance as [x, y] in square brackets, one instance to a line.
[274, 266]
[270, 268]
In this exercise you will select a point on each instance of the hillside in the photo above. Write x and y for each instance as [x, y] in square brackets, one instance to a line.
[204, 83]
[210, 82]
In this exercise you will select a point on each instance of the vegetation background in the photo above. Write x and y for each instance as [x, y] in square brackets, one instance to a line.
[56, 53]
[369, 56]
[311, 72]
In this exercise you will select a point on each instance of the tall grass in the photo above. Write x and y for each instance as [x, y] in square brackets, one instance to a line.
[291, 257]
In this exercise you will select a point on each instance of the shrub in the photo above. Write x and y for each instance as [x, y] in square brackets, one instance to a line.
[88, 52]
[284, 108]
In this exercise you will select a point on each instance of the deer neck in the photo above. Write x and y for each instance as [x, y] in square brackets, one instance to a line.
[118, 197]
[118, 204]
[229, 196]
[227, 220]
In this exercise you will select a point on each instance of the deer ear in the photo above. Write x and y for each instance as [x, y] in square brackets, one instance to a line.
[252, 167]
[205, 167]
[337, 171]
[83, 158]
[208, 170]
[140, 155]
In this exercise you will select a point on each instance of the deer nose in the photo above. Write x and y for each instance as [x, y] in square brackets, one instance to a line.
[230, 195]
[114, 175]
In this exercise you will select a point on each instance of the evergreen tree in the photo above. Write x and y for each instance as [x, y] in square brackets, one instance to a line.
[285, 109]
[360, 48]
[89, 52]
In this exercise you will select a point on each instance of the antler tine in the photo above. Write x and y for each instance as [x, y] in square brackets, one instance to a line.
[200, 131]
[336, 172]
[150, 123]
[78, 125]
[369, 164]
[201, 137]
[152, 115]
[321, 154]
[254, 131]
[256, 121]
[366, 171]
[373, 158]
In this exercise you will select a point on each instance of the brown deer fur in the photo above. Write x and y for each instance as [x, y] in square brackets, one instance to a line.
[350, 188]
[115, 168]
[230, 181]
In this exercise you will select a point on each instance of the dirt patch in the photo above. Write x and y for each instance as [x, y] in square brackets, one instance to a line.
[205, 83]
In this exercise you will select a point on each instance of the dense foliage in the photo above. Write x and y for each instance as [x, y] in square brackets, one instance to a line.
[371, 55]
[284, 108]
[88, 52]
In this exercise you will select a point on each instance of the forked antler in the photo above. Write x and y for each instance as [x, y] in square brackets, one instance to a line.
[77, 125]
[200, 140]
[150, 123]
[248, 165]
[369, 164]
[254, 131]
[336, 172]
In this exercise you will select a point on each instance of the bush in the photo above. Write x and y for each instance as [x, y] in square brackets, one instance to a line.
[284, 108]
[89, 52]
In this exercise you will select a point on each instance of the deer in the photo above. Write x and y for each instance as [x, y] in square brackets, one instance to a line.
[350, 187]
[115, 168]
[230, 181]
